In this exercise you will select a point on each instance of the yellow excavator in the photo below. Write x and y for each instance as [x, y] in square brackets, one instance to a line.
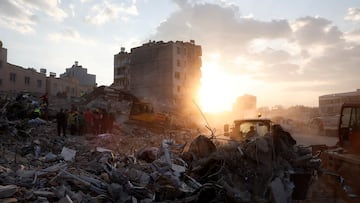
[142, 113]
[340, 166]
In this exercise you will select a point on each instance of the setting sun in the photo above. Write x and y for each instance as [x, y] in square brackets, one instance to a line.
[219, 89]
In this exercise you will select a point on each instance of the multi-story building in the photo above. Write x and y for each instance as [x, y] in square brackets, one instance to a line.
[65, 87]
[245, 106]
[80, 73]
[330, 105]
[15, 78]
[164, 73]
[18, 79]
[121, 70]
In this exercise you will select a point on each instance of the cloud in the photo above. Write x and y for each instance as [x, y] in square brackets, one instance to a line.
[298, 54]
[353, 14]
[72, 9]
[222, 25]
[310, 31]
[353, 36]
[50, 7]
[16, 16]
[106, 12]
[338, 62]
[70, 34]
[22, 15]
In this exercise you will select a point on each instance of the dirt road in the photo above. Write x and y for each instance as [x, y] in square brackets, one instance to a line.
[307, 139]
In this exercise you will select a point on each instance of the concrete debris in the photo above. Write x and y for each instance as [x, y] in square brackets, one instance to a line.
[7, 191]
[201, 147]
[68, 154]
[134, 164]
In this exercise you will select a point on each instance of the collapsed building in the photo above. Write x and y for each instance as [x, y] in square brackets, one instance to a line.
[135, 164]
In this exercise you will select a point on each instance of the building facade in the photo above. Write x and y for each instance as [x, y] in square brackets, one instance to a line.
[14, 78]
[80, 73]
[245, 106]
[65, 87]
[121, 70]
[164, 73]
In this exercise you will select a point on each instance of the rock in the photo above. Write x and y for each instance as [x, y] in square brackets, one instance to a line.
[7, 191]
[277, 190]
[148, 154]
[202, 147]
[25, 173]
[50, 157]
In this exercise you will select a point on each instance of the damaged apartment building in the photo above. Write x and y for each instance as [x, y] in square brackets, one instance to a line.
[167, 74]
[15, 79]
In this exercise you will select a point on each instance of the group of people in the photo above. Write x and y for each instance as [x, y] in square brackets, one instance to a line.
[94, 122]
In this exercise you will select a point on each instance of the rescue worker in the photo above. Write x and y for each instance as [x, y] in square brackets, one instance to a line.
[89, 121]
[37, 112]
[45, 99]
[104, 121]
[72, 120]
[61, 122]
[97, 121]
[80, 123]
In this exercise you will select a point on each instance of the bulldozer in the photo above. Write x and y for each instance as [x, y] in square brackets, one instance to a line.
[243, 129]
[142, 113]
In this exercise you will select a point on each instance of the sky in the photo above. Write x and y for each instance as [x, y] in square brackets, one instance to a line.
[284, 52]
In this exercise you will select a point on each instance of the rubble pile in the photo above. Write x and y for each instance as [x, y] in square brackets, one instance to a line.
[136, 165]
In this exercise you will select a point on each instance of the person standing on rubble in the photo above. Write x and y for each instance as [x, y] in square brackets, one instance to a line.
[104, 121]
[97, 120]
[45, 99]
[66, 112]
[73, 116]
[80, 123]
[89, 121]
[61, 122]
[36, 112]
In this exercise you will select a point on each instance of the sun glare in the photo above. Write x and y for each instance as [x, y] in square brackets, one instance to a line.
[217, 89]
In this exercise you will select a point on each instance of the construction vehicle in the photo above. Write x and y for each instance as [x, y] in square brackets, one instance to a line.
[142, 113]
[241, 129]
[342, 162]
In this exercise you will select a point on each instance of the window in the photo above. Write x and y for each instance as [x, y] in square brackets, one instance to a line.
[177, 75]
[0, 82]
[178, 63]
[178, 50]
[39, 83]
[118, 71]
[178, 88]
[27, 80]
[12, 77]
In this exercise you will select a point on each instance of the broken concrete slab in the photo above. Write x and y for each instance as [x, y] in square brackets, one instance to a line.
[7, 191]
[68, 154]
